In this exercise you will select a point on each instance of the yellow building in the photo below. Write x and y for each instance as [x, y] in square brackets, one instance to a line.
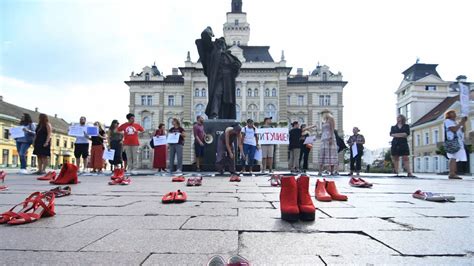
[62, 145]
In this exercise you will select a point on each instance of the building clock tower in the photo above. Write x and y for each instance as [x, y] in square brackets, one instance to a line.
[236, 29]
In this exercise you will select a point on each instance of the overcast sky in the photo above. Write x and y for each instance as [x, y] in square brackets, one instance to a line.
[70, 57]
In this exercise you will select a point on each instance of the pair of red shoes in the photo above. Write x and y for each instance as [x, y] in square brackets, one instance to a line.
[174, 197]
[194, 181]
[178, 179]
[235, 178]
[327, 191]
[119, 178]
[295, 200]
[359, 182]
[36, 206]
[3, 174]
[67, 175]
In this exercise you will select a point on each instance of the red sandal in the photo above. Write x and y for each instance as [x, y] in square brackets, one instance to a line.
[43, 206]
[7, 216]
[180, 197]
[48, 177]
[168, 197]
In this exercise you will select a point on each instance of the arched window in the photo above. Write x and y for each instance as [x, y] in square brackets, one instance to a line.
[325, 76]
[255, 92]
[252, 112]
[270, 111]
[199, 109]
[146, 152]
[301, 120]
[196, 92]
[237, 111]
[170, 100]
[147, 76]
[146, 122]
[237, 92]
[203, 93]
[267, 92]
[274, 92]
[249, 92]
[170, 122]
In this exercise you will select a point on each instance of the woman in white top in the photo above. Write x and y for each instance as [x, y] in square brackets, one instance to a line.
[250, 144]
[452, 130]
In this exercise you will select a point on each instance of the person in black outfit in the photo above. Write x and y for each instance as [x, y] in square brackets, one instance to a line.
[400, 133]
[359, 141]
[305, 149]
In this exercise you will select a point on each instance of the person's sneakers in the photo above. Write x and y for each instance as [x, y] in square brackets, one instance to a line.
[216, 261]
[23, 172]
[237, 260]
[178, 172]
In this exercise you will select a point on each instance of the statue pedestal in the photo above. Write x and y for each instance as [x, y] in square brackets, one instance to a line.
[214, 128]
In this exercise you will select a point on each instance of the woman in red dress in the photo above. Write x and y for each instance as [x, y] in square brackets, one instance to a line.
[159, 156]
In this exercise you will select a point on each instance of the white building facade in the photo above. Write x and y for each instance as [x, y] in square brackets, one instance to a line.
[264, 88]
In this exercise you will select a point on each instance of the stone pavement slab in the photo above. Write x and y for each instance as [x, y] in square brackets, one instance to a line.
[348, 225]
[397, 260]
[238, 224]
[127, 222]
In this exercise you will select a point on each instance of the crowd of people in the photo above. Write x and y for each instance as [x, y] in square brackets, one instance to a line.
[124, 140]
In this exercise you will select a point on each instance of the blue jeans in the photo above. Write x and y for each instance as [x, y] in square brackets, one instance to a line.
[22, 148]
[249, 152]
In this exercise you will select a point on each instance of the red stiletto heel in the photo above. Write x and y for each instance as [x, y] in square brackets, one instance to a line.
[69, 175]
[43, 206]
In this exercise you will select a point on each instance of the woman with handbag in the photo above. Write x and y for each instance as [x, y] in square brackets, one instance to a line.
[454, 142]
[400, 133]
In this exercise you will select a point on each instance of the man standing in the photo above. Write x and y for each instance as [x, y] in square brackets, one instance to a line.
[130, 141]
[250, 145]
[267, 149]
[225, 150]
[358, 140]
[81, 146]
[295, 145]
[199, 135]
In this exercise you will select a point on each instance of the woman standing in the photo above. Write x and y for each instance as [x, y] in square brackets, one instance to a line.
[400, 133]
[115, 139]
[250, 144]
[176, 149]
[455, 131]
[42, 143]
[159, 152]
[305, 148]
[24, 143]
[328, 152]
[97, 150]
[356, 159]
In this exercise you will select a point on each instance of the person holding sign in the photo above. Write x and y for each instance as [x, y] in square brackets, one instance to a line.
[114, 141]
[225, 149]
[81, 146]
[97, 149]
[454, 131]
[42, 143]
[267, 149]
[159, 152]
[24, 143]
[356, 142]
[199, 135]
[295, 146]
[250, 144]
[176, 149]
[131, 142]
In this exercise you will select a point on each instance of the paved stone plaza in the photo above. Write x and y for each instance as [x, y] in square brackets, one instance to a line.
[102, 224]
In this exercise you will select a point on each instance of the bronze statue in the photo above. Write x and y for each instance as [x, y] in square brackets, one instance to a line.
[221, 68]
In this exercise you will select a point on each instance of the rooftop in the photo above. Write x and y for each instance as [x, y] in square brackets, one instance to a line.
[437, 111]
[418, 71]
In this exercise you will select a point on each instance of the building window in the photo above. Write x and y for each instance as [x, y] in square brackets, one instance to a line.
[199, 110]
[14, 160]
[237, 92]
[300, 100]
[255, 93]
[170, 100]
[324, 100]
[236, 22]
[147, 76]
[146, 152]
[182, 100]
[427, 164]
[72, 144]
[427, 138]
[249, 92]
[6, 133]
[196, 92]
[408, 113]
[325, 76]
[435, 136]
[203, 93]
[237, 113]
[274, 92]
[436, 164]
[146, 123]
[57, 142]
[149, 100]
[143, 100]
[288, 102]
[252, 112]
[267, 92]
[430, 88]
[270, 111]
[418, 164]
[65, 144]
[238, 42]
[5, 157]
[418, 140]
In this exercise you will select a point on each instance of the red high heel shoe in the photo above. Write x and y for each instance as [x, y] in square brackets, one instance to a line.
[332, 190]
[320, 191]
[48, 177]
[43, 206]
[178, 179]
[69, 175]
[289, 199]
[305, 203]
[27, 205]
[118, 173]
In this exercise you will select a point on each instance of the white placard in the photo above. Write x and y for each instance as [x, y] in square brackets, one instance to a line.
[354, 150]
[76, 131]
[464, 99]
[273, 136]
[109, 155]
[309, 140]
[258, 155]
[159, 140]
[17, 132]
[173, 138]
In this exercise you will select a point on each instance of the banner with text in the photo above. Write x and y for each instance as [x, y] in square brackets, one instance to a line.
[273, 136]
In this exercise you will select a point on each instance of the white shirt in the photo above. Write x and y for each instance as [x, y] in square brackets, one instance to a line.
[82, 140]
[249, 136]
[450, 135]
